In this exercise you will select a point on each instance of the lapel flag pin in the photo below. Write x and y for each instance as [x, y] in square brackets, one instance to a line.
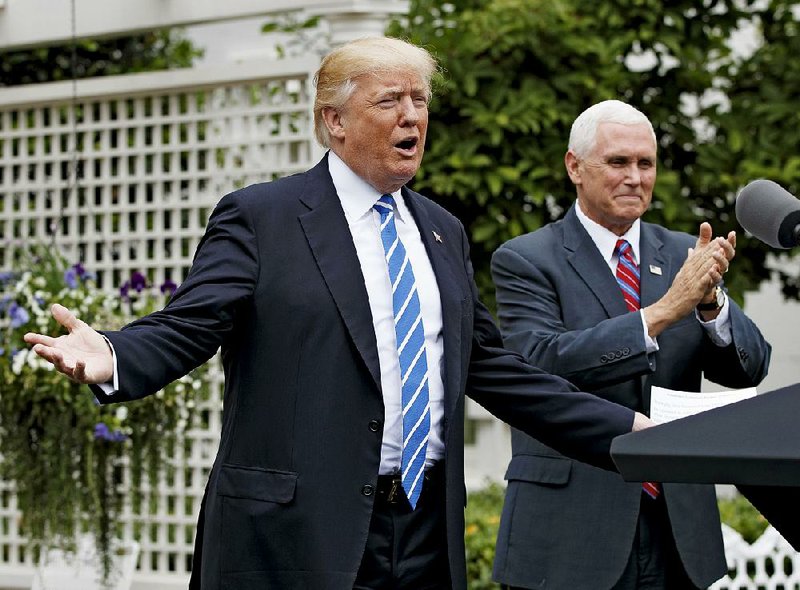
[437, 237]
[656, 270]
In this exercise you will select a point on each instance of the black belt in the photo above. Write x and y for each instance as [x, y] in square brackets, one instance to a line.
[389, 489]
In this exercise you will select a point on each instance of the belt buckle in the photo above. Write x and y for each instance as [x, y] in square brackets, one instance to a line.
[393, 496]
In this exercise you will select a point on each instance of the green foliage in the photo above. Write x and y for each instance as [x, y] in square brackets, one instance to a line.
[156, 50]
[63, 452]
[303, 35]
[516, 73]
[482, 521]
[739, 514]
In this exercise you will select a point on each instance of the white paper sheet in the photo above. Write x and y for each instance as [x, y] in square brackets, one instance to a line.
[668, 404]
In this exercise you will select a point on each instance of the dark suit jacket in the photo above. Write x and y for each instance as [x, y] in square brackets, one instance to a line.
[571, 526]
[277, 284]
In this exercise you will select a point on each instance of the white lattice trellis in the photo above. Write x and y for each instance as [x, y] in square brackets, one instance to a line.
[768, 564]
[155, 153]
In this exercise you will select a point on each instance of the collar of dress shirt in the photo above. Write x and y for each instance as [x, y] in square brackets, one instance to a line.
[356, 194]
[606, 240]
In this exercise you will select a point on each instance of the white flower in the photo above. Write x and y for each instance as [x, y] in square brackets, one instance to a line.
[18, 362]
[121, 413]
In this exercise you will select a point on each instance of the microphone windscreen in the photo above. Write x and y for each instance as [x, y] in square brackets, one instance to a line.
[769, 212]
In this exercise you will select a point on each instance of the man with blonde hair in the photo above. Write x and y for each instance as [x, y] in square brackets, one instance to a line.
[616, 305]
[350, 331]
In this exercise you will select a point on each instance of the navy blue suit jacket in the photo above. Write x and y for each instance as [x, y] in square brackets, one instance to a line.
[277, 284]
[566, 525]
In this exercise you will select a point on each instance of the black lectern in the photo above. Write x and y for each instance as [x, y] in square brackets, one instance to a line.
[754, 444]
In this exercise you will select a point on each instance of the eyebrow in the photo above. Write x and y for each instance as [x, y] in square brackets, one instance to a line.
[624, 157]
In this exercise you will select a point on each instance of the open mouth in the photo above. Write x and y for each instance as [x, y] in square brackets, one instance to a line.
[408, 145]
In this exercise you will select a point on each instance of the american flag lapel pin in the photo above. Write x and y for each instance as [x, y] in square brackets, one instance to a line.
[437, 237]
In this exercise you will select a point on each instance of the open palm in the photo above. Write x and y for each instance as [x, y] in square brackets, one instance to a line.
[82, 355]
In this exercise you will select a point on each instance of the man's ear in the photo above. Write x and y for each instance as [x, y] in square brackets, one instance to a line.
[334, 122]
[573, 169]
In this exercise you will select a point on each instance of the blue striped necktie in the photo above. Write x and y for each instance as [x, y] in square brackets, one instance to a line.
[411, 352]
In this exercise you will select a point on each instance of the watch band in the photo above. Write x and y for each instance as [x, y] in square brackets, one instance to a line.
[717, 303]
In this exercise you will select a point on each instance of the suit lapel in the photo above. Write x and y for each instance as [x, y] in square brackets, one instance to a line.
[452, 299]
[332, 245]
[585, 259]
[653, 261]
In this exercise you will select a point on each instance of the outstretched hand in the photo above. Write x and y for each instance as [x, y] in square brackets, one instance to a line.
[82, 355]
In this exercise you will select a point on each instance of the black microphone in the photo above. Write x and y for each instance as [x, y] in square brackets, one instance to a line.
[770, 213]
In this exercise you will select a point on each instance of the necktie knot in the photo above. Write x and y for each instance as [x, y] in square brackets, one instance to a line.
[623, 249]
[384, 205]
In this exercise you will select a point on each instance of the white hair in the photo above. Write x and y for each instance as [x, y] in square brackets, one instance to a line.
[583, 134]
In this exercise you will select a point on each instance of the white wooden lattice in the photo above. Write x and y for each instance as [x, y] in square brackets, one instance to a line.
[155, 153]
[768, 564]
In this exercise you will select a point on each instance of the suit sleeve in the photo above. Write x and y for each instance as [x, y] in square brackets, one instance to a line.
[743, 363]
[529, 308]
[547, 407]
[163, 346]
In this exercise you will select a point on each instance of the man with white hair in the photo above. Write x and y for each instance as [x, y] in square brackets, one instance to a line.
[350, 330]
[616, 305]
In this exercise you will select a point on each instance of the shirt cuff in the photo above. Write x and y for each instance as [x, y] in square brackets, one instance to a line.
[111, 387]
[718, 329]
[650, 344]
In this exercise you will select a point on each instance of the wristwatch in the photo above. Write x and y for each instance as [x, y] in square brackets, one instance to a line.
[717, 303]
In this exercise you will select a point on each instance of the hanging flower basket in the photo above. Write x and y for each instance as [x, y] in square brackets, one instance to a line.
[65, 454]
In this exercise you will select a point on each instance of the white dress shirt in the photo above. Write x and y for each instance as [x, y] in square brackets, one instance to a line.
[718, 329]
[357, 198]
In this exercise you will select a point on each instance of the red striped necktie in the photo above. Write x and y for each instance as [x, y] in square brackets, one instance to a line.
[628, 279]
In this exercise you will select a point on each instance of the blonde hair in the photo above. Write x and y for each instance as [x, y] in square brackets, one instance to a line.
[583, 134]
[336, 77]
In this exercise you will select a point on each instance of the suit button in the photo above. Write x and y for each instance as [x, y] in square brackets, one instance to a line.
[626, 351]
[604, 359]
[374, 425]
[368, 490]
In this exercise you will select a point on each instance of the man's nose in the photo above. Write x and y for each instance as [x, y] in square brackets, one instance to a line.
[634, 174]
[409, 114]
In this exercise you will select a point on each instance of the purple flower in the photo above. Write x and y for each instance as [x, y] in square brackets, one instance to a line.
[6, 277]
[123, 290]
[19, 315]
[168, 287]
[71, 277]
[74, 273]
[103, 432]
[138, 281]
